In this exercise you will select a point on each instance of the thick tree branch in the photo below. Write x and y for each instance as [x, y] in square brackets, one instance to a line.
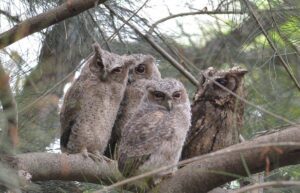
[73, 167]
[199, 176]
[9, 107]
[208, 173]
[43, 20]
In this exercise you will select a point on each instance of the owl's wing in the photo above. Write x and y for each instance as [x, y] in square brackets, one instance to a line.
[144, 135]
[69, 112]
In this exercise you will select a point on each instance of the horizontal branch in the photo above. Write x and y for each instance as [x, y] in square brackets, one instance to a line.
[202, 175]
[44, 20]
[73, 167]
[226, 165]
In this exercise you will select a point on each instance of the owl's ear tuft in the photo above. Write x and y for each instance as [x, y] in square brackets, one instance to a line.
[97, 62]
[96, 47]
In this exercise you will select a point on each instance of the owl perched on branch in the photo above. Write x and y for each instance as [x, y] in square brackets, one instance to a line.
[144, 70]
[154, 136]
[217, 114]
[91, 104]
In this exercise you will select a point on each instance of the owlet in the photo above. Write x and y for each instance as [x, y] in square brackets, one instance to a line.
[91, 104]
[144, 70]
[217, 114]
[154, 136]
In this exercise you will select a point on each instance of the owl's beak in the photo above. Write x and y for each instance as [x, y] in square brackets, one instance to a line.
[130, 78]
[104, 75]
[169, 105]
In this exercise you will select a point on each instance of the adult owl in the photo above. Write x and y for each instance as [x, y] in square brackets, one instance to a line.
[144, 70]
[154, 136]
[91, 104]
[217, 114]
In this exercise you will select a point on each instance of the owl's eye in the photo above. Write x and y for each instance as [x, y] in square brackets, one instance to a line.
[140, 68]
[159, 95]
[117, 70]
[222, 81]
[176, 95]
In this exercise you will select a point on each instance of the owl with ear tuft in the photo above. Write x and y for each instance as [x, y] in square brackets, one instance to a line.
[217, 114]
[92, 102]
[144, 70]
[155, 134]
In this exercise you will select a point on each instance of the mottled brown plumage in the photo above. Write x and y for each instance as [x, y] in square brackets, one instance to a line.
[91, 104]
[217, 115]
[154, 136]
[143, 71]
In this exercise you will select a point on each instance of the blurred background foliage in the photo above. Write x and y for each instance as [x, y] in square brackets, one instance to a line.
[42, 64]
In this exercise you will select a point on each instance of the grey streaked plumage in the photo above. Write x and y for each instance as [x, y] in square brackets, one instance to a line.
[143, 71]
[91, 104]
[154, 136]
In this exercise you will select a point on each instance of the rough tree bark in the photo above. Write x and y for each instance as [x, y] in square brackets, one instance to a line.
[199, 176]
[210, 172]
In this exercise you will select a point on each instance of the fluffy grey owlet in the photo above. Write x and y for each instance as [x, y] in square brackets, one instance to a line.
[154, 136]
[91, 104]
[143, 71]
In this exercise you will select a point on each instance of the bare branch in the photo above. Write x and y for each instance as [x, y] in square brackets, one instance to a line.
[154, 25]
[44, 20]
[192, 177]
[268, 184]
[223, 166]
[73, 167]
[285, 65]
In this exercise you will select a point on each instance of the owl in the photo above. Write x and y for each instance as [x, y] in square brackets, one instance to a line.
[91, 104]
[155, 134]
[217, 115]
[143, 71]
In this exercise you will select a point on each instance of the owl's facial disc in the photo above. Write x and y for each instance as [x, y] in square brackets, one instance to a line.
[138, 72]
